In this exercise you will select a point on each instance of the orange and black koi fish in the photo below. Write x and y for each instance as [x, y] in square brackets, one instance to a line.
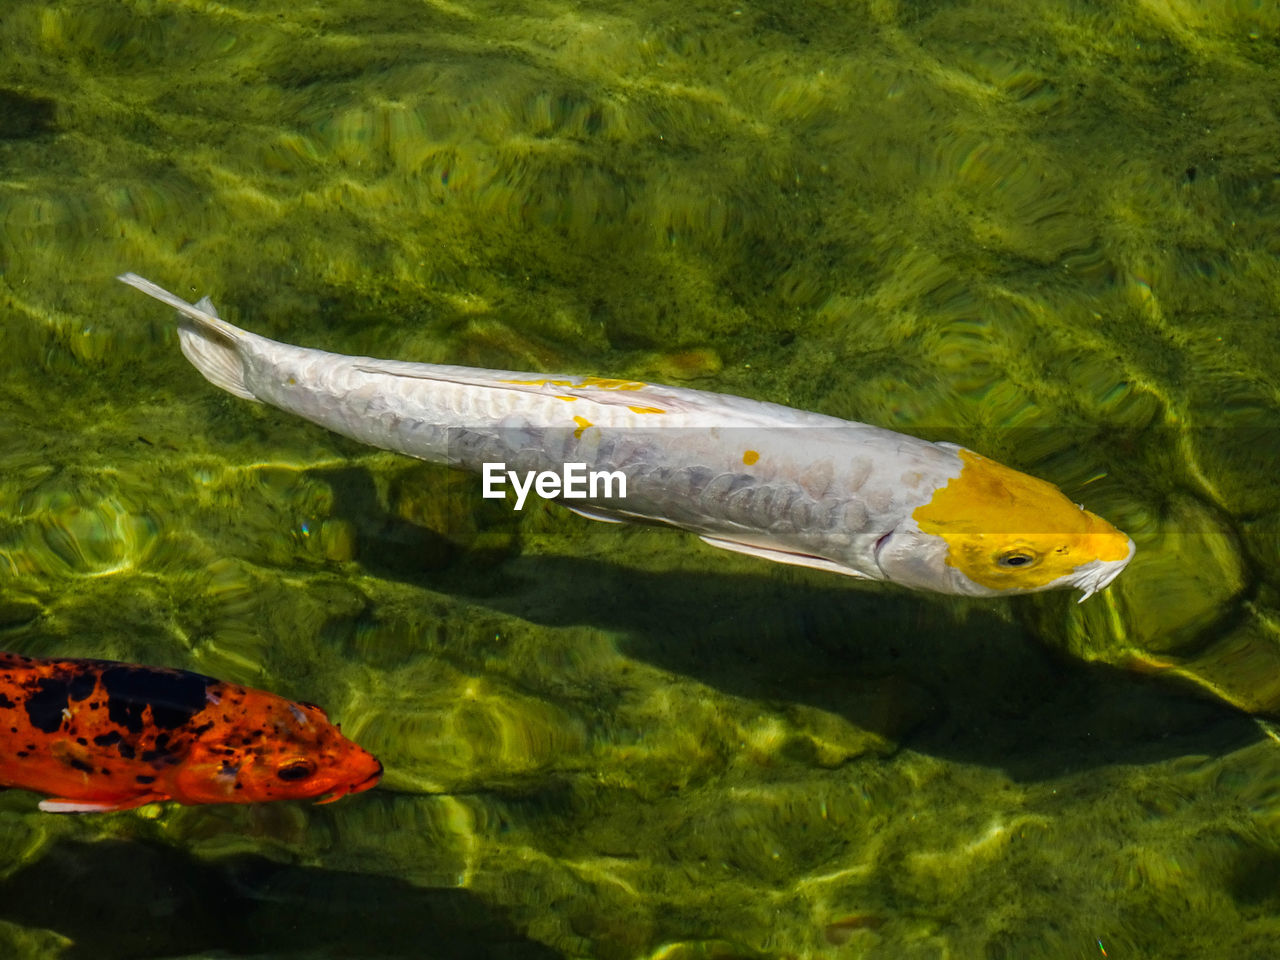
[97, 735]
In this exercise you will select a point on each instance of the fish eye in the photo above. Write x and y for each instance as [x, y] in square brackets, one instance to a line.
[295, 770]
[1016, 558]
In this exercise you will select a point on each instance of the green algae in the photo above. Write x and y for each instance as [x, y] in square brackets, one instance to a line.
[1043, 230]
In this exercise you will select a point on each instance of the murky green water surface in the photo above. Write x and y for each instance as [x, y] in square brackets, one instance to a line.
[1046, 230]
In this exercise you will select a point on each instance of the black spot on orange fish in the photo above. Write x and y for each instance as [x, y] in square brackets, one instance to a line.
[143, 778]
[80, 764]
[126, 750]
[81, 685]
[160, 749]
[174, 696]
[108, 739]
[6, 703]
[45, 706]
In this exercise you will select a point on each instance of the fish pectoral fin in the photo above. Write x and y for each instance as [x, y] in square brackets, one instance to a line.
[597, 513]
[782, 556]
[62, 805]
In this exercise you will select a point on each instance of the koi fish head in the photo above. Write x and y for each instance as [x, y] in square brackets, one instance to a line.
[273, 749]
[992, 531]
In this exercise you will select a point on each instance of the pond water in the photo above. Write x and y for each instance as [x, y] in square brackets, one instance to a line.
[1046, 230]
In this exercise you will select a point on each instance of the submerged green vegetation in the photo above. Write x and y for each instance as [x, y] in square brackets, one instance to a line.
[1044, 230]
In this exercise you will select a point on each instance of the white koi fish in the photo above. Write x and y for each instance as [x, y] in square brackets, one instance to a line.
[757, 478]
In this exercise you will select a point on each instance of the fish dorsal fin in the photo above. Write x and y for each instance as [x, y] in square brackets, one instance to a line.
[711, 409]
[643, 397]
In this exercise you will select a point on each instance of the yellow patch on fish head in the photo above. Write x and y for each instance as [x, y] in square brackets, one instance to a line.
[1009, 531]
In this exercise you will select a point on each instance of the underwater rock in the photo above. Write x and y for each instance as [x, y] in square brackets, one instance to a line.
[23, 116]
[839, 932]
[1241, 667]
[705, 950]
[17, 611]
[445, 518]
[887, 708]
[1189, 574]
[80, 526]
[1181, 612]
[690, 364]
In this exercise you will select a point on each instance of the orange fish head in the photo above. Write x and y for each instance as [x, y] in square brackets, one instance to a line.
[277, 750]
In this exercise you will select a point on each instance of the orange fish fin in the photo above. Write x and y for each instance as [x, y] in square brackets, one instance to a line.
[60, 805]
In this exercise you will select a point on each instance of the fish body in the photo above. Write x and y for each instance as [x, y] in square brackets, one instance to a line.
[745, 475]
[98, 735]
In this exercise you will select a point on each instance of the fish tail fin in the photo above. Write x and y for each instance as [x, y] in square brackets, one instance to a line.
[209, 342]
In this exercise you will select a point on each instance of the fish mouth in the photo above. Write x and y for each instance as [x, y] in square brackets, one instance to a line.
[368, 783]
[1098, 574]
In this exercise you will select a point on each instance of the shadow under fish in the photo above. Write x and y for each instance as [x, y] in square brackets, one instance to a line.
[136, 900]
